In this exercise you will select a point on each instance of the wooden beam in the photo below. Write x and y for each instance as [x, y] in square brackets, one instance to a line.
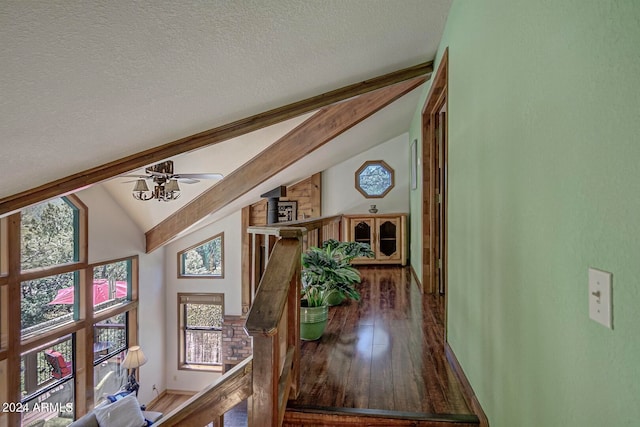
[234, 129]
[316, 131]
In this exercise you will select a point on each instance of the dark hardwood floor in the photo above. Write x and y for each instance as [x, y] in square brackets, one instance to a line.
[383, 353]
[380, 362]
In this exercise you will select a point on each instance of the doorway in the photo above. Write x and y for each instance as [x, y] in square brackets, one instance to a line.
[434, 183]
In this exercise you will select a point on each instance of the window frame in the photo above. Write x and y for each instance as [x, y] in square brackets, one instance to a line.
[209, 298]
[130, 281]
[181, 254]
[384, 165]
[13, 345]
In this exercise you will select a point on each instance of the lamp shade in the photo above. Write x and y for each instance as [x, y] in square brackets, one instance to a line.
[141, 185]
[172, 185]
[135, 358]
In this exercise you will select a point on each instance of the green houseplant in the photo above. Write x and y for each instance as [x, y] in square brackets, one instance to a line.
[329, 268]
[327, 279]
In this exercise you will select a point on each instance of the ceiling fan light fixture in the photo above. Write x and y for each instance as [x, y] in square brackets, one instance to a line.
[172, 185]
[141, 185]
[165, 182]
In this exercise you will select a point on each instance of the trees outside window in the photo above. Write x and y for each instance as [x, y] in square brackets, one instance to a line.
[200, 318]
[205, 259]
[58, 327]
[374, 179]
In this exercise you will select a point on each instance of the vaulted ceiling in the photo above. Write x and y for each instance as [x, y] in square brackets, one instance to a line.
[87, 83]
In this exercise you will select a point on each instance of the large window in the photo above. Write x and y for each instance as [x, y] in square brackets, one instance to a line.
[204, 259]
[49, 234]
[46, 381]
[65, 312]
[200, 318]
[110, 341]
[111, 284]
[47, 302]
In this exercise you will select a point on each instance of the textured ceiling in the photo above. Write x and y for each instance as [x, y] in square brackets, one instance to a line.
[83, 83]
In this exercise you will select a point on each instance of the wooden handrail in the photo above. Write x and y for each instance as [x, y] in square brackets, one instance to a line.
[274, 323]
[268, 306]
[274, 230]
[212, 402]
[308, 224]
[272, 375]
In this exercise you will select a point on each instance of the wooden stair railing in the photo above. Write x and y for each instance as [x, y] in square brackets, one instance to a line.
[274, 324]
[211, 403]
[272, 375]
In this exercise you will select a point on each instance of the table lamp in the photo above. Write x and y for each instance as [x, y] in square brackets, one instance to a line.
[134, 359]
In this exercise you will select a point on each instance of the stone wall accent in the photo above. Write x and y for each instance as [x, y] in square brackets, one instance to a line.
[236, 344]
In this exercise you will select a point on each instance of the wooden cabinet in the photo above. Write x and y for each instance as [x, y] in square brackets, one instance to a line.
[386, 233]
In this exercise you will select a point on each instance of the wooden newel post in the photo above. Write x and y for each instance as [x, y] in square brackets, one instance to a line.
[274, 324]
[264, 407]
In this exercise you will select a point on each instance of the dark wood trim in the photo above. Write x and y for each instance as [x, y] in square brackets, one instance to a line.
[51, 335]
[470, 395]
[316, 415]
[314, 132]
[37, 273]
[245, 222]
[4, 248]
[437, 95]
[12, 305]
[234, 129]
[114, 311]
[4, 322]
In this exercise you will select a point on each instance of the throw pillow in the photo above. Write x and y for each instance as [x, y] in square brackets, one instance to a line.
[121, 413]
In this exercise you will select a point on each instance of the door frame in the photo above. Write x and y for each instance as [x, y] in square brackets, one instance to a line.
[436, 99]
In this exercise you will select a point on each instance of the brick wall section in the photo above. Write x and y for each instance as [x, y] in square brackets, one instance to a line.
[236, 344]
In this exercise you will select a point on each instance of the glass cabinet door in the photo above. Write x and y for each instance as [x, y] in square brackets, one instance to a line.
[387, 238]
[362, 231]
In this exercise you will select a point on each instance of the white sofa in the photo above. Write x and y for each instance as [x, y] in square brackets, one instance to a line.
[124, 412]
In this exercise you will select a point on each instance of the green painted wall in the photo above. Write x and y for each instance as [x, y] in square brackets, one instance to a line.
[544, 181]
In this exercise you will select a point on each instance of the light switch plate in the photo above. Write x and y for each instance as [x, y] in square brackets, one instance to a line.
[600, 298]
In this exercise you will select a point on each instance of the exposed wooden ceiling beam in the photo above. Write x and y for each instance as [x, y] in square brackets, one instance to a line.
[212, 136]
[311, 134]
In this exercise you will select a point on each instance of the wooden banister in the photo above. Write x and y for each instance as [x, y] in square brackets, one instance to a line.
[272, 375]
[274, 324]
[268, 306]
[212, 402]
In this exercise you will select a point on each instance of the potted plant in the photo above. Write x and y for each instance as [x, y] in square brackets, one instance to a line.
[330, 266]
[313, 312]
[327, 279]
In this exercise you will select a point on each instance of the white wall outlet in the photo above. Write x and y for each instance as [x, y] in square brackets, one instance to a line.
[600, 298]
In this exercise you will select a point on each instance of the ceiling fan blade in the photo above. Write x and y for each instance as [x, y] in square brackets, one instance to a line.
[162, 174]
[186, 180]
[200, 175]
[135, 176]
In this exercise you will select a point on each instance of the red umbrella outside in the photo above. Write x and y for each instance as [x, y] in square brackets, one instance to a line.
[100, 292]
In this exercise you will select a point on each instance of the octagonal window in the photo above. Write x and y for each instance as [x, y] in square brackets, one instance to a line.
[374, 179]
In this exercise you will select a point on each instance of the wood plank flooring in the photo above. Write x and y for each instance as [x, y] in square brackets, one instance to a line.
[385, 352]
[381, 362]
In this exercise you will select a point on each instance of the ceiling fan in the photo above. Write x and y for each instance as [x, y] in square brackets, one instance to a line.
[165, 182]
